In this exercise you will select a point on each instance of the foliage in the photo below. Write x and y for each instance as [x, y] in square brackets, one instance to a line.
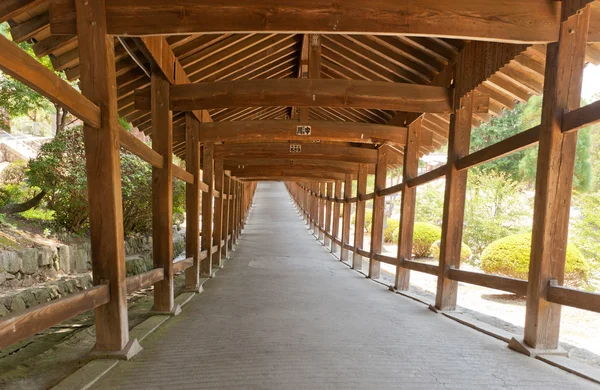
[465, 251]
[16, 193]
[495, 206]
[38, 214]
[60, 170]
[509, 256]
[390, 233]
[424, 235]
[368, 220]
[587, 228]
[429, 205]
[15, 173]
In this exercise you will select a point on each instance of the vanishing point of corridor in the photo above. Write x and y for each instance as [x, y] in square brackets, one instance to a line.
[285, 314]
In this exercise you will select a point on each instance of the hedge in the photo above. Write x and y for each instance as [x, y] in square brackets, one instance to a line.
[390, 233]
[424, 235]
[465, 251]
[509, 256]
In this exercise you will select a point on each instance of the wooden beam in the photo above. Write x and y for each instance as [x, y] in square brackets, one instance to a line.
[207, 207]
[454, 201]
[506, 21]
[378, 212]
[346, 217]
[162, 194]
[306, 93]
[97, 83]
[328, 211]
[554, 177]
[20, 65]
[336, 215]
[359, 220]
[11, 8]
[218, 206]
[226, 210]
[307, 151]
[158, 49]
[321, 216]
[282, 168]
[287, 130]
[407, 203]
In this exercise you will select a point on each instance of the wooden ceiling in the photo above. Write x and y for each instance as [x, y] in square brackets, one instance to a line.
[252, 56]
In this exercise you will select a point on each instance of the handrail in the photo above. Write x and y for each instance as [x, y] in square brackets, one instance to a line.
[574, 298]
[143, 280]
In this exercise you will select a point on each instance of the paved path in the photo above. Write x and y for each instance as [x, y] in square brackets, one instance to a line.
[284, 314]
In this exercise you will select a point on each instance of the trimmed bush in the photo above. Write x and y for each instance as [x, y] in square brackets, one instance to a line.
[465, 251]
[509, 256]
[425, 234]
[390, 233]
[368, 220]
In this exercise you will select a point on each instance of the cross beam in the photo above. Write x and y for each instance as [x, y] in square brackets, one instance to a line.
[306, 93]
[293, 130]
[516, 21]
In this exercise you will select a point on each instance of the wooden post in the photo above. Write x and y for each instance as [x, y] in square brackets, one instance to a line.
[162, 193]
[407, 206]
[239, 209]
[359, 225]
[226, 209]
[218, 226]
[346, 217]
[378, 213]
[232, 229]
[554, 178]
[454, 202]
[321, 221]
[328, 210]
[336, 215]
[192, 203]
[207, 208]
[98, 84]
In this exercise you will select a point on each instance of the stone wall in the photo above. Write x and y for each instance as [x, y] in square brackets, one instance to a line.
[28, 266]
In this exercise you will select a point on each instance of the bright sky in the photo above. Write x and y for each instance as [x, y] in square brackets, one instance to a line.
[591, 83]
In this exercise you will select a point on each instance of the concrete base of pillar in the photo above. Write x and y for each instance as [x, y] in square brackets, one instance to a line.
[521, 346]
[132, 348]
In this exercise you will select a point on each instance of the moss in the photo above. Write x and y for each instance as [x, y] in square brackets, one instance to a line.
[465, 251]
[509, 256]
[425, 234]
[390, 233]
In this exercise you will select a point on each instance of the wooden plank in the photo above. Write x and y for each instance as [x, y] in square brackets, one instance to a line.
[421, 267]
[378, 212]
[207, 206]
[500, 149]
[308, 151]
[182, 174]
[286, 130]
[143, 280]
[218, 207]
[30, 28]
[183, 265]
[306, 93]
[97, 62]
[581, 117]
[336, 215]
[574, 298]
[454, 201]
[20, 65]
[11, 8]
[359, 219]
[512, 285]
[277, 172]
[427, 177]
[386, 259]
[162, 194]
[407, 203]
[506, 21]
[192, 203]
[391, 190]
[134, 145]
[554, 178]
[23, 325]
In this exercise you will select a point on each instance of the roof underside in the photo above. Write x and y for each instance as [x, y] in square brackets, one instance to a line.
[216, 57]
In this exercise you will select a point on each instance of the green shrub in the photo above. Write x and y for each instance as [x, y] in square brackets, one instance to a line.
[390, 233]
[16, 193]
[15, 173]
[60, 169]
[509, 256]
[368, 220]
[38, 214]
[465, 251]
[424, 235]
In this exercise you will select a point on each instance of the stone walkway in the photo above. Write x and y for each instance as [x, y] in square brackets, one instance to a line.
[284, 314]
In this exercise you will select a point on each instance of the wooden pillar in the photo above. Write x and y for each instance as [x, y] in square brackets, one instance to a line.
[321, 220]
[359, 225]
[239, 209]
[232, 229]
[378, 213]
[218, 224]
[328, 203]
[207, 207]
[336, 215]
[226, 210]
[554, 178]
[454, 202]
[407, 204]
[314, 206]
[346, 217]
[162, 193]
[307, 206]
[97, 63]
[192, 203]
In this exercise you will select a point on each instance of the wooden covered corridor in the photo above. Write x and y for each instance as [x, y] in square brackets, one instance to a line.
[316, 95]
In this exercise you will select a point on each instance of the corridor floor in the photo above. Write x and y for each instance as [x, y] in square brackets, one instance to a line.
[284, 314]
